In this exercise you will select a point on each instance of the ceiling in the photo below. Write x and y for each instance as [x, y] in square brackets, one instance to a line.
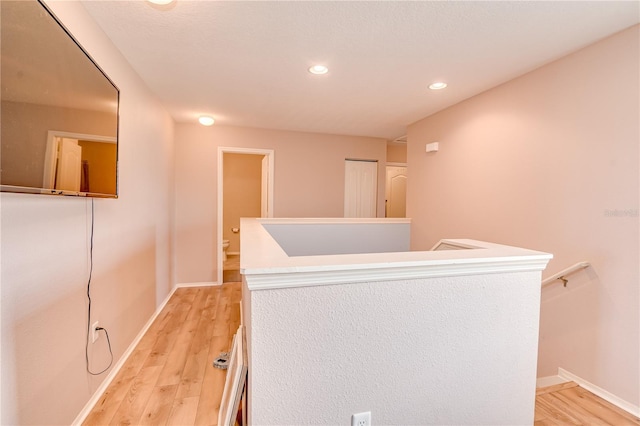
[245, 63]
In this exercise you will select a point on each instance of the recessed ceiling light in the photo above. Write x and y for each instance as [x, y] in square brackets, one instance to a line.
[205, 120]
[160, 1]
[437, 85]
[318, 69]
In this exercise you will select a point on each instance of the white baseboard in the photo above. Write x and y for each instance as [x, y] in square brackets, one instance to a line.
[606, 395]
[200, 284]
[116, 368]
[543, 382]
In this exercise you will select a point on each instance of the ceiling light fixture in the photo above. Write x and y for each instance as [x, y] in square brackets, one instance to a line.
[437, 86]
[161, 2]
[205, 120]
[318, 69]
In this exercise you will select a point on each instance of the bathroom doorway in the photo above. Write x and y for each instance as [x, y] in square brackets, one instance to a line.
[245, 189]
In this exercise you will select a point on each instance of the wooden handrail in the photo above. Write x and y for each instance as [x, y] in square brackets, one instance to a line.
[562, 274]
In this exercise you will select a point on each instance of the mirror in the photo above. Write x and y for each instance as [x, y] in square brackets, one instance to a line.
[59, 111]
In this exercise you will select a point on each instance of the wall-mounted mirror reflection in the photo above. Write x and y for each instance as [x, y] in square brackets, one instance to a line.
[59, 112]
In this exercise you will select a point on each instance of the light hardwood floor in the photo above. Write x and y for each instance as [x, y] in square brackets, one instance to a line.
[569, 404]
[169, 379]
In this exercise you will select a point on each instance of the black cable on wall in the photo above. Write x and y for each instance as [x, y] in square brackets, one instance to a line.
[86, 347]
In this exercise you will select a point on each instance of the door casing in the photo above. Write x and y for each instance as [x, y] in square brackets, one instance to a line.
[268, 171]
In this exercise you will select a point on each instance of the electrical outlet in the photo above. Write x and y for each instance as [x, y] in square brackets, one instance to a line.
[361, 419]
[94, 332]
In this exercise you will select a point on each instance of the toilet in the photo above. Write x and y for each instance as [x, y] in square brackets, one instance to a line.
[225, 246]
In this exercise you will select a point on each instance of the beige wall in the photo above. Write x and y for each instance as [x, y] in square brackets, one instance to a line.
[45, 264]
[396, 152]
[549, 161]
[309, 182]
[242, 189]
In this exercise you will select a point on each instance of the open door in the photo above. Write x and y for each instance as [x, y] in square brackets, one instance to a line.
[68, 173]
[396, 191]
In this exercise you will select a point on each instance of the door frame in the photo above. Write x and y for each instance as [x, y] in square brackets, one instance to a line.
[267, 190]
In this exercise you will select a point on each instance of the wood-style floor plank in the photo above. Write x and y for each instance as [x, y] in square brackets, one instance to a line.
[177, 356]
[198, 356]
[167, 335]
[569, 404]
[158, 406]
[169, 378]
[183, 411]
[213, 381]
[136, 399]
[109, 402]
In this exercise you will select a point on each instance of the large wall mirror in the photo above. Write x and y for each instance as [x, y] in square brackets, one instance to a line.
[59, 111]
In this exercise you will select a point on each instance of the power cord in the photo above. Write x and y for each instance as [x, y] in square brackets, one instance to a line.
[86, 347]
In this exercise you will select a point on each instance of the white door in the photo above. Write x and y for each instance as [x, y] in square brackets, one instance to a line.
[69, 165]
[396, 191]
[360, 188]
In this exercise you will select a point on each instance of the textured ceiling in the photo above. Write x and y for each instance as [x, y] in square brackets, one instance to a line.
[245, 63]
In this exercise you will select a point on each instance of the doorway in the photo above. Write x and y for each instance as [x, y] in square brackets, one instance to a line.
[396, 190]
[245, 189]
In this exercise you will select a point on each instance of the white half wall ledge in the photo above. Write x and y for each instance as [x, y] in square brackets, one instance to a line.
[408, 327]
[265, 265]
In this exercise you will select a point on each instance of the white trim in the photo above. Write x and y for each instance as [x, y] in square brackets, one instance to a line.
[390, 272]
[270, 154]
[233, 253]
[604, 394]
[543, 382]
[80, 418]
[199, 284]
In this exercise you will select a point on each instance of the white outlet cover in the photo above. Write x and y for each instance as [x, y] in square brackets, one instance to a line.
[361, 419]
[94, 332]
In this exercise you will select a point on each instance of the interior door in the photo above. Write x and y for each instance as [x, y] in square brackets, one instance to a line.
[69, 165]
[360, 188]
[396, 191]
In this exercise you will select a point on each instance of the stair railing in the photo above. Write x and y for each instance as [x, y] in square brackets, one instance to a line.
[562, 274]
